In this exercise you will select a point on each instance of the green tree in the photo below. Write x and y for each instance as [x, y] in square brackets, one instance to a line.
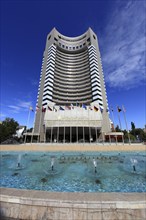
[117, 129]
[7, 129]
[132, 126]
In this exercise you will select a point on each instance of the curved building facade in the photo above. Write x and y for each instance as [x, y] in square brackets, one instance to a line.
[72, 102]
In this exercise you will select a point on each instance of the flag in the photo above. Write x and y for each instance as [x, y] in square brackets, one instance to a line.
[84, 106]
[77, 104]
[72, 106]
[61, 108]
[54, 109]
[67, 107]
[119, 109]
[49, 108]
[101, 110]
[43, 109]
[124, 110]
[112, 109]
[95, 108]
[37, 108]
[90, 108]
[31, 108]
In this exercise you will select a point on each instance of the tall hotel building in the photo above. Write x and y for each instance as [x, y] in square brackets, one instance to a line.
[72, 102]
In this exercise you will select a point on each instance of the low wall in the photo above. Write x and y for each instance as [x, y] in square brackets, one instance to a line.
[41, 205]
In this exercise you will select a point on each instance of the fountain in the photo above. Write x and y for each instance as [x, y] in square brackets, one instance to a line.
[52, 163]
[18, 161]
[73, 171]
[95, 164]
[134, 162]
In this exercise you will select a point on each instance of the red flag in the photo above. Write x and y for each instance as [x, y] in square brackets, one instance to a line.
[43, 109]
[67, 107]
[37, 108]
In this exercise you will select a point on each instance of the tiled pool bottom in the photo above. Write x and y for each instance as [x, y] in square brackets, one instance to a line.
[74, 171]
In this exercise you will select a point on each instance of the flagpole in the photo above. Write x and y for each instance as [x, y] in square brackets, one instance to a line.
[33, 129]
[109, 127]
[44, 126]
[89, 127]
[126, 124]
[112, 114]
[40, 124]
[101, 128]
[119, 120]
[27, 125]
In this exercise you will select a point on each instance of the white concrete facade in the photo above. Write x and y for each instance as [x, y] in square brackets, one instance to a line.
[71, 79]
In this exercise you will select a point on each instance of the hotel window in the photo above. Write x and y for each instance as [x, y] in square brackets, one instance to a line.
[66, 47]
[55, 39]
[94, 37]
[73, 48]
[88, 40]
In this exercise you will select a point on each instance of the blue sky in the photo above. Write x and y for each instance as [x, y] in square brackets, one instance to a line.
[120, 27]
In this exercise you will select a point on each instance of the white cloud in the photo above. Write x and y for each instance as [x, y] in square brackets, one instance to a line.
[24, 104]
[20, 106]
[2, 115]
[124, 54]
[14, 109]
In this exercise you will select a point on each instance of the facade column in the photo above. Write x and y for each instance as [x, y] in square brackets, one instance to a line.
[70, 134]
[96, 133]
[51, 133]
[89, 135]
[77, 134]
[57, 134]
[64, 135]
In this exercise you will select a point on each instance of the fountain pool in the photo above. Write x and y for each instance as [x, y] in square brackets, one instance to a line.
[74, 171]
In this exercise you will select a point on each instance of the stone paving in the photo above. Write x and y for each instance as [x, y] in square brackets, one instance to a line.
[73, 147]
